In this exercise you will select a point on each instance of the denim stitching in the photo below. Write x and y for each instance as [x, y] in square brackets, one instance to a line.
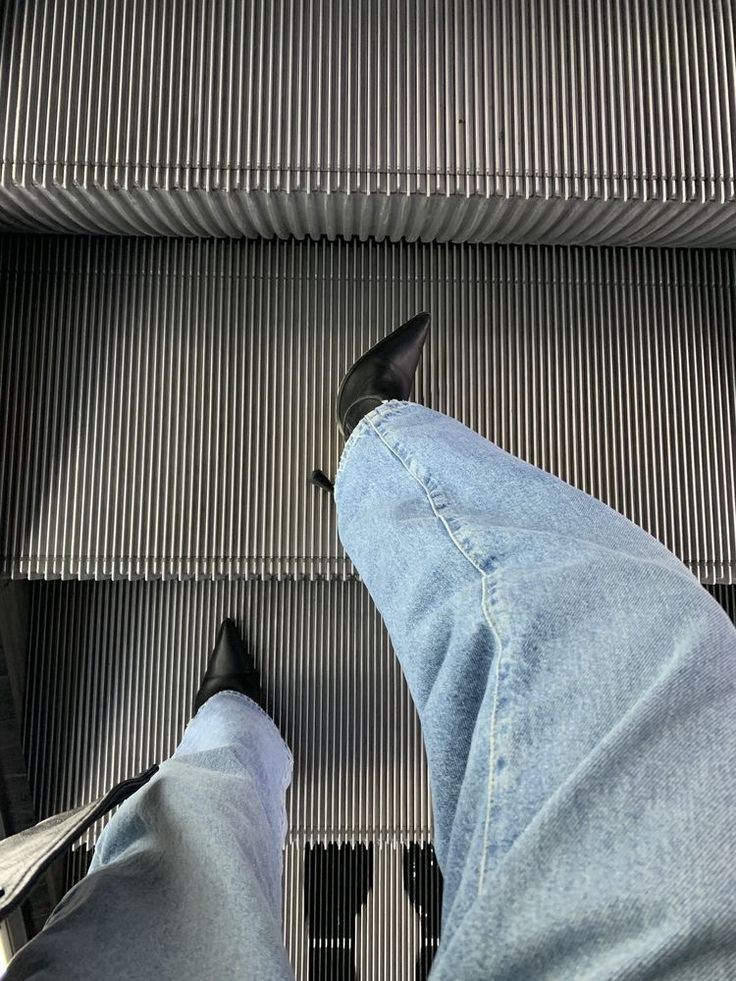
[359, 431]
[490, 620]
[362, 428]
[428, 492]
[491, 745]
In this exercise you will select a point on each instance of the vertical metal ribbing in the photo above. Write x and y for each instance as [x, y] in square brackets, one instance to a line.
[114, 668]
[427, 105]
[123, 661]
[165, 402]
[726, 596]
[295, 933]
[135, 371]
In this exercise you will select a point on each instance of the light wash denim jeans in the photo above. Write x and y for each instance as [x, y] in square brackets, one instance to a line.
[577, 692]
[185, 883]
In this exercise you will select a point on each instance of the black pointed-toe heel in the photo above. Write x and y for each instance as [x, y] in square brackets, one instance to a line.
[230, 668]
[320, 479]
[384, 372]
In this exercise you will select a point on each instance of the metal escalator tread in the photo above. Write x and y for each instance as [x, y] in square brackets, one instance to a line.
[415, 119]
[114, 666]
[164, 402]
[397, 929]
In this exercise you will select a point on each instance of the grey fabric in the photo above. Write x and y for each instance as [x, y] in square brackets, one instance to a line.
[24, 856]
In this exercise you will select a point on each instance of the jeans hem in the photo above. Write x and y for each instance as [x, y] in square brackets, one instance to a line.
[386, 408]
[254, 705]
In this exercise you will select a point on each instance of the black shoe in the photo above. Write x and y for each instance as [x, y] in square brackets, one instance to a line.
[320, 479]
[230, 668]
[386, 371]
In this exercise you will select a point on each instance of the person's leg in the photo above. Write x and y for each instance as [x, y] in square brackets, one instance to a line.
[185, 882]
[576, 688]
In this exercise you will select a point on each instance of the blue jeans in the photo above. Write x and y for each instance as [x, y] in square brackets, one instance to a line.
[576, 688]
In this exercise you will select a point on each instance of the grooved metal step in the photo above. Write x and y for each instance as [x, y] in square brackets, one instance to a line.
[164, 402]
[393, 936]
[113, 670]
[113, 667]
[586, 122]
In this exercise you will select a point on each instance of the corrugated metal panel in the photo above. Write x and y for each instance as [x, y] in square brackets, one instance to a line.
[395, 938]
[726, 596]
[165, 401]
[114, 669]
[581, 121]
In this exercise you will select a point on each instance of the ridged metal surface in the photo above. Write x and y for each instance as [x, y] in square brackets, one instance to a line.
[114, 669]
[391, 940]
[114, 666]
[164, 402]
[542, 121]
[726, 596]
[389, 936]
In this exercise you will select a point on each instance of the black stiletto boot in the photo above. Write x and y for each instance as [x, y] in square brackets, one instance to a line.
[386, 371]
[230, 668]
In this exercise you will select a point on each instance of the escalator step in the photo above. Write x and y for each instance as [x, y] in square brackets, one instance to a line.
[114, 667]
[165, 402]
[113, 670]
[525, 122]
[395, 932]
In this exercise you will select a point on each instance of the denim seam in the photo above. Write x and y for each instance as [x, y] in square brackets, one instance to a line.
[491, 743]
[359, 431]
[427, 490]
[495, 630]
[362, 428]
